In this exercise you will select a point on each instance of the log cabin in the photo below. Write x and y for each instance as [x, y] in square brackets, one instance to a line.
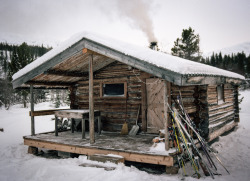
[114, 79]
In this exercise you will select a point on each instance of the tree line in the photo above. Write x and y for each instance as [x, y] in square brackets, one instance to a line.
[12, 59]
[15, 57]
[188, 47]
[238, 63]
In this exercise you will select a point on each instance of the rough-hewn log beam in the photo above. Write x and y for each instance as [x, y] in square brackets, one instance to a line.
[236, 104]
[222, 130]
[67, 73]
[165, 97]
[85, 150]
[53, 83]
[208, 80]
[41, 87]
[32, 110]
[91, 102]
[44, 112]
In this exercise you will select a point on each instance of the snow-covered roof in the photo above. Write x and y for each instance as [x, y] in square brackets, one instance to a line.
[155, 58]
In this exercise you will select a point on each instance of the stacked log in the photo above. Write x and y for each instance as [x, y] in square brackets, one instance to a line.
[221, 114]
[114, 110]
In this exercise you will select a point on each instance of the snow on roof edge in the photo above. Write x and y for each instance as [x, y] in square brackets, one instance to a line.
[47, 56]
[159, 59]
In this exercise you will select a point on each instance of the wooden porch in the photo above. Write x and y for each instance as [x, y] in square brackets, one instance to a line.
[136, 149]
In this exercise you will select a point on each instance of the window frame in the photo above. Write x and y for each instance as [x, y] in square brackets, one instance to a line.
[220, 93]
[112, 97]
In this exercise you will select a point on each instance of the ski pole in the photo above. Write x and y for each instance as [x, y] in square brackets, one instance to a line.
[185, 145]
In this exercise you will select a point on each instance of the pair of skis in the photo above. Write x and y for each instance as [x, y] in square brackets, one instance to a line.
[204, 145]
[184, 133]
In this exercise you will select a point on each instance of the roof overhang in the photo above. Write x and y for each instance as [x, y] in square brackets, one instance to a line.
[110, 55]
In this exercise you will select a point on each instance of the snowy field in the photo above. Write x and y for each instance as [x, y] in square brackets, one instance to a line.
[17, 165]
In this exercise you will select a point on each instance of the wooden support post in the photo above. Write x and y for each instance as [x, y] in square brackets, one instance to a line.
[169, 100]
[56, 128]
[32, 109]
[91, 102]
[236, 104]
[144, 105]
[72, 97]
[99, 125]
[83, 128]
[165, 97]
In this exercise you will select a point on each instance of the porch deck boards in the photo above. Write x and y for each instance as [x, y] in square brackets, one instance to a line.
[131, 148]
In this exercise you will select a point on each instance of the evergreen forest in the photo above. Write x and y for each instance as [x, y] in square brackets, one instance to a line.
[12, 59]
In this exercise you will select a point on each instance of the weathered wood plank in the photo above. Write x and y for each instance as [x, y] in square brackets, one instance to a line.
[236, 104]
[221, 116]
[219, 124]
[221, 110]
[32, 110]
[166, 119]
[66, 73]
[144, 105]
[215, 107]
[222, 130]
[155, 103]
[106, 158]
[44, 112]
[128, 156]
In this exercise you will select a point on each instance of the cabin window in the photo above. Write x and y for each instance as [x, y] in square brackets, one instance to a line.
[113, 89]
[220, 94]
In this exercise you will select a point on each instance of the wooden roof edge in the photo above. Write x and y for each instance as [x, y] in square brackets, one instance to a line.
[100, 49]
[163, 73]
[174, 77]
[72, 50]
[209, 80]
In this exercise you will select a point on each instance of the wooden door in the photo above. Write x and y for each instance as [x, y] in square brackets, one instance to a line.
[155, 105]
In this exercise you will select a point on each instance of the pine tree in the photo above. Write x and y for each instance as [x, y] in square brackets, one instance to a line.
[12, 59]
[225, 62]
[213, 61]
[248, 67]
[241, 58]
[57, 101]
[188, 46]
[14, 65]
[220, 60]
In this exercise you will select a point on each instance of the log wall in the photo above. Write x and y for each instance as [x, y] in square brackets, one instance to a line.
[222, 114]
[114, 111]
[199, 101]
[188, 94]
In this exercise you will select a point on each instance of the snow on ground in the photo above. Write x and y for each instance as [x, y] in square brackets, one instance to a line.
[16, 164]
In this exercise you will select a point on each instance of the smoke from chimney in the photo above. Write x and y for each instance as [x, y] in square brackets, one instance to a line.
[138, 13]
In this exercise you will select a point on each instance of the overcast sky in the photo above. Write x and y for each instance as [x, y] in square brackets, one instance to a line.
[220, 23]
